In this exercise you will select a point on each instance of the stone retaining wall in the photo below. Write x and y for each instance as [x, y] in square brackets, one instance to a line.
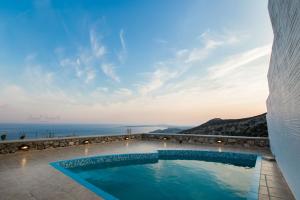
[40, 144]
[238, 141]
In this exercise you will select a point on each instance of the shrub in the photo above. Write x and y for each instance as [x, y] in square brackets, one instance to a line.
[23, 136]
[3, 137]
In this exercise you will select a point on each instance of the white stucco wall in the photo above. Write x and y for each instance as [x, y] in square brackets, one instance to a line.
[283, 103]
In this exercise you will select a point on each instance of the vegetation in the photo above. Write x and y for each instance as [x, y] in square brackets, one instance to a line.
[255, 126]
[22, 136]
[3, 136]
[168, 130]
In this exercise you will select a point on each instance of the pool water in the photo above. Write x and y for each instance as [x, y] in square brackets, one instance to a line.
[171, 177]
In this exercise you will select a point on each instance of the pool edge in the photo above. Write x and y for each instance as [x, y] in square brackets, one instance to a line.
[252, 194]
[99, 192]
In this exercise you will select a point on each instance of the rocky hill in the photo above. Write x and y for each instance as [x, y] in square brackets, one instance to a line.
[252, 126]
[167, 130]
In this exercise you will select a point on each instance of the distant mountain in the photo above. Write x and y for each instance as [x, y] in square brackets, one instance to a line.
[252, 126]
[167, 130]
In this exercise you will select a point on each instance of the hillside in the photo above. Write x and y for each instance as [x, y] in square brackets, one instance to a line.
[167, 130]
[255, 126]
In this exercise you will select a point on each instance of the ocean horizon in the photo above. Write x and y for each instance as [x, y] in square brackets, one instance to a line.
[14, 131]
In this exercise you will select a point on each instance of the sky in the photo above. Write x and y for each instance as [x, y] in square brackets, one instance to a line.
[134, 62]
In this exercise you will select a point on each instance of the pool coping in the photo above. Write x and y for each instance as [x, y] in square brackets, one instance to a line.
[252, 194]
[101, 193]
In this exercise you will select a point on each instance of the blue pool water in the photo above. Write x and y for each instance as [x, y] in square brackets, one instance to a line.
[168, 175]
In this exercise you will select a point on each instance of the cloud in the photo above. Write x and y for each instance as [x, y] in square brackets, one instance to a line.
[109, 97]
[122, 55]
[35, 100]
[187, 87]
[99, 49]
[82, 66]
[236, 61]
[227, 37]
[85, 62]
[90, 75]
[210, 42]
[37, 78]
[157, 80]
[160, 41]
[183, 60]
[30, 57]
[109, 70]
[233, 70]
[35, 73]
[122, 39]
[196, 98]
[123, 92]
[192, 99]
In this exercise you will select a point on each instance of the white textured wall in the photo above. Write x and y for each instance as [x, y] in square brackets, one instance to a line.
[283, 103]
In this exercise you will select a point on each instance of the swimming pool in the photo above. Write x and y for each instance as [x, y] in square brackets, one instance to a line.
[167, 174]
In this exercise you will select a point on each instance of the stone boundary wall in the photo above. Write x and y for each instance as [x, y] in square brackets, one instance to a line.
[40, 144]
[238, 141]
[12, 146]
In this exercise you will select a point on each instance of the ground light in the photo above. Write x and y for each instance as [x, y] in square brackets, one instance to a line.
[24, 147]
[85, 142]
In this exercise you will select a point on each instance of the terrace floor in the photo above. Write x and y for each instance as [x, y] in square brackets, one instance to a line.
[28, 175]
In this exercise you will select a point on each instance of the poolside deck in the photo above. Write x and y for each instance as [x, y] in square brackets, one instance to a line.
[28, 175]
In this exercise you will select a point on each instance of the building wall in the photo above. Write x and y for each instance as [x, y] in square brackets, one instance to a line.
[283, 103]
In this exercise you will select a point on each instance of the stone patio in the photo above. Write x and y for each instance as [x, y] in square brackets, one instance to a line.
[28, 175]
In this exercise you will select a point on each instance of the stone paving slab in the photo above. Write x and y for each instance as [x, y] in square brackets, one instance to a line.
[272, 183]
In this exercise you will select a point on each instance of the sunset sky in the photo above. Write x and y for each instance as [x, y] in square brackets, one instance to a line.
[136, 62]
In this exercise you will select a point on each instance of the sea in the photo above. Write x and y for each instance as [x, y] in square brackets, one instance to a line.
[33, 131]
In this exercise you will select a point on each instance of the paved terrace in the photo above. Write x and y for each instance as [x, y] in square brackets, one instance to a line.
[27, 175]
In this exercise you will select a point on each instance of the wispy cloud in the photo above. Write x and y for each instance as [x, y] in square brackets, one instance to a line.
[210, 42]
[87, 60]
[99, 50]
[109, 70]
[122, 39]
[183, 60]
[160, 41]
[90, 75]
[205, 96]
[35, 74]
[30, 57]
[82, 68]
[122, 55]
[236, 61]
[229, 74]
[123, 92]
[192, 99]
